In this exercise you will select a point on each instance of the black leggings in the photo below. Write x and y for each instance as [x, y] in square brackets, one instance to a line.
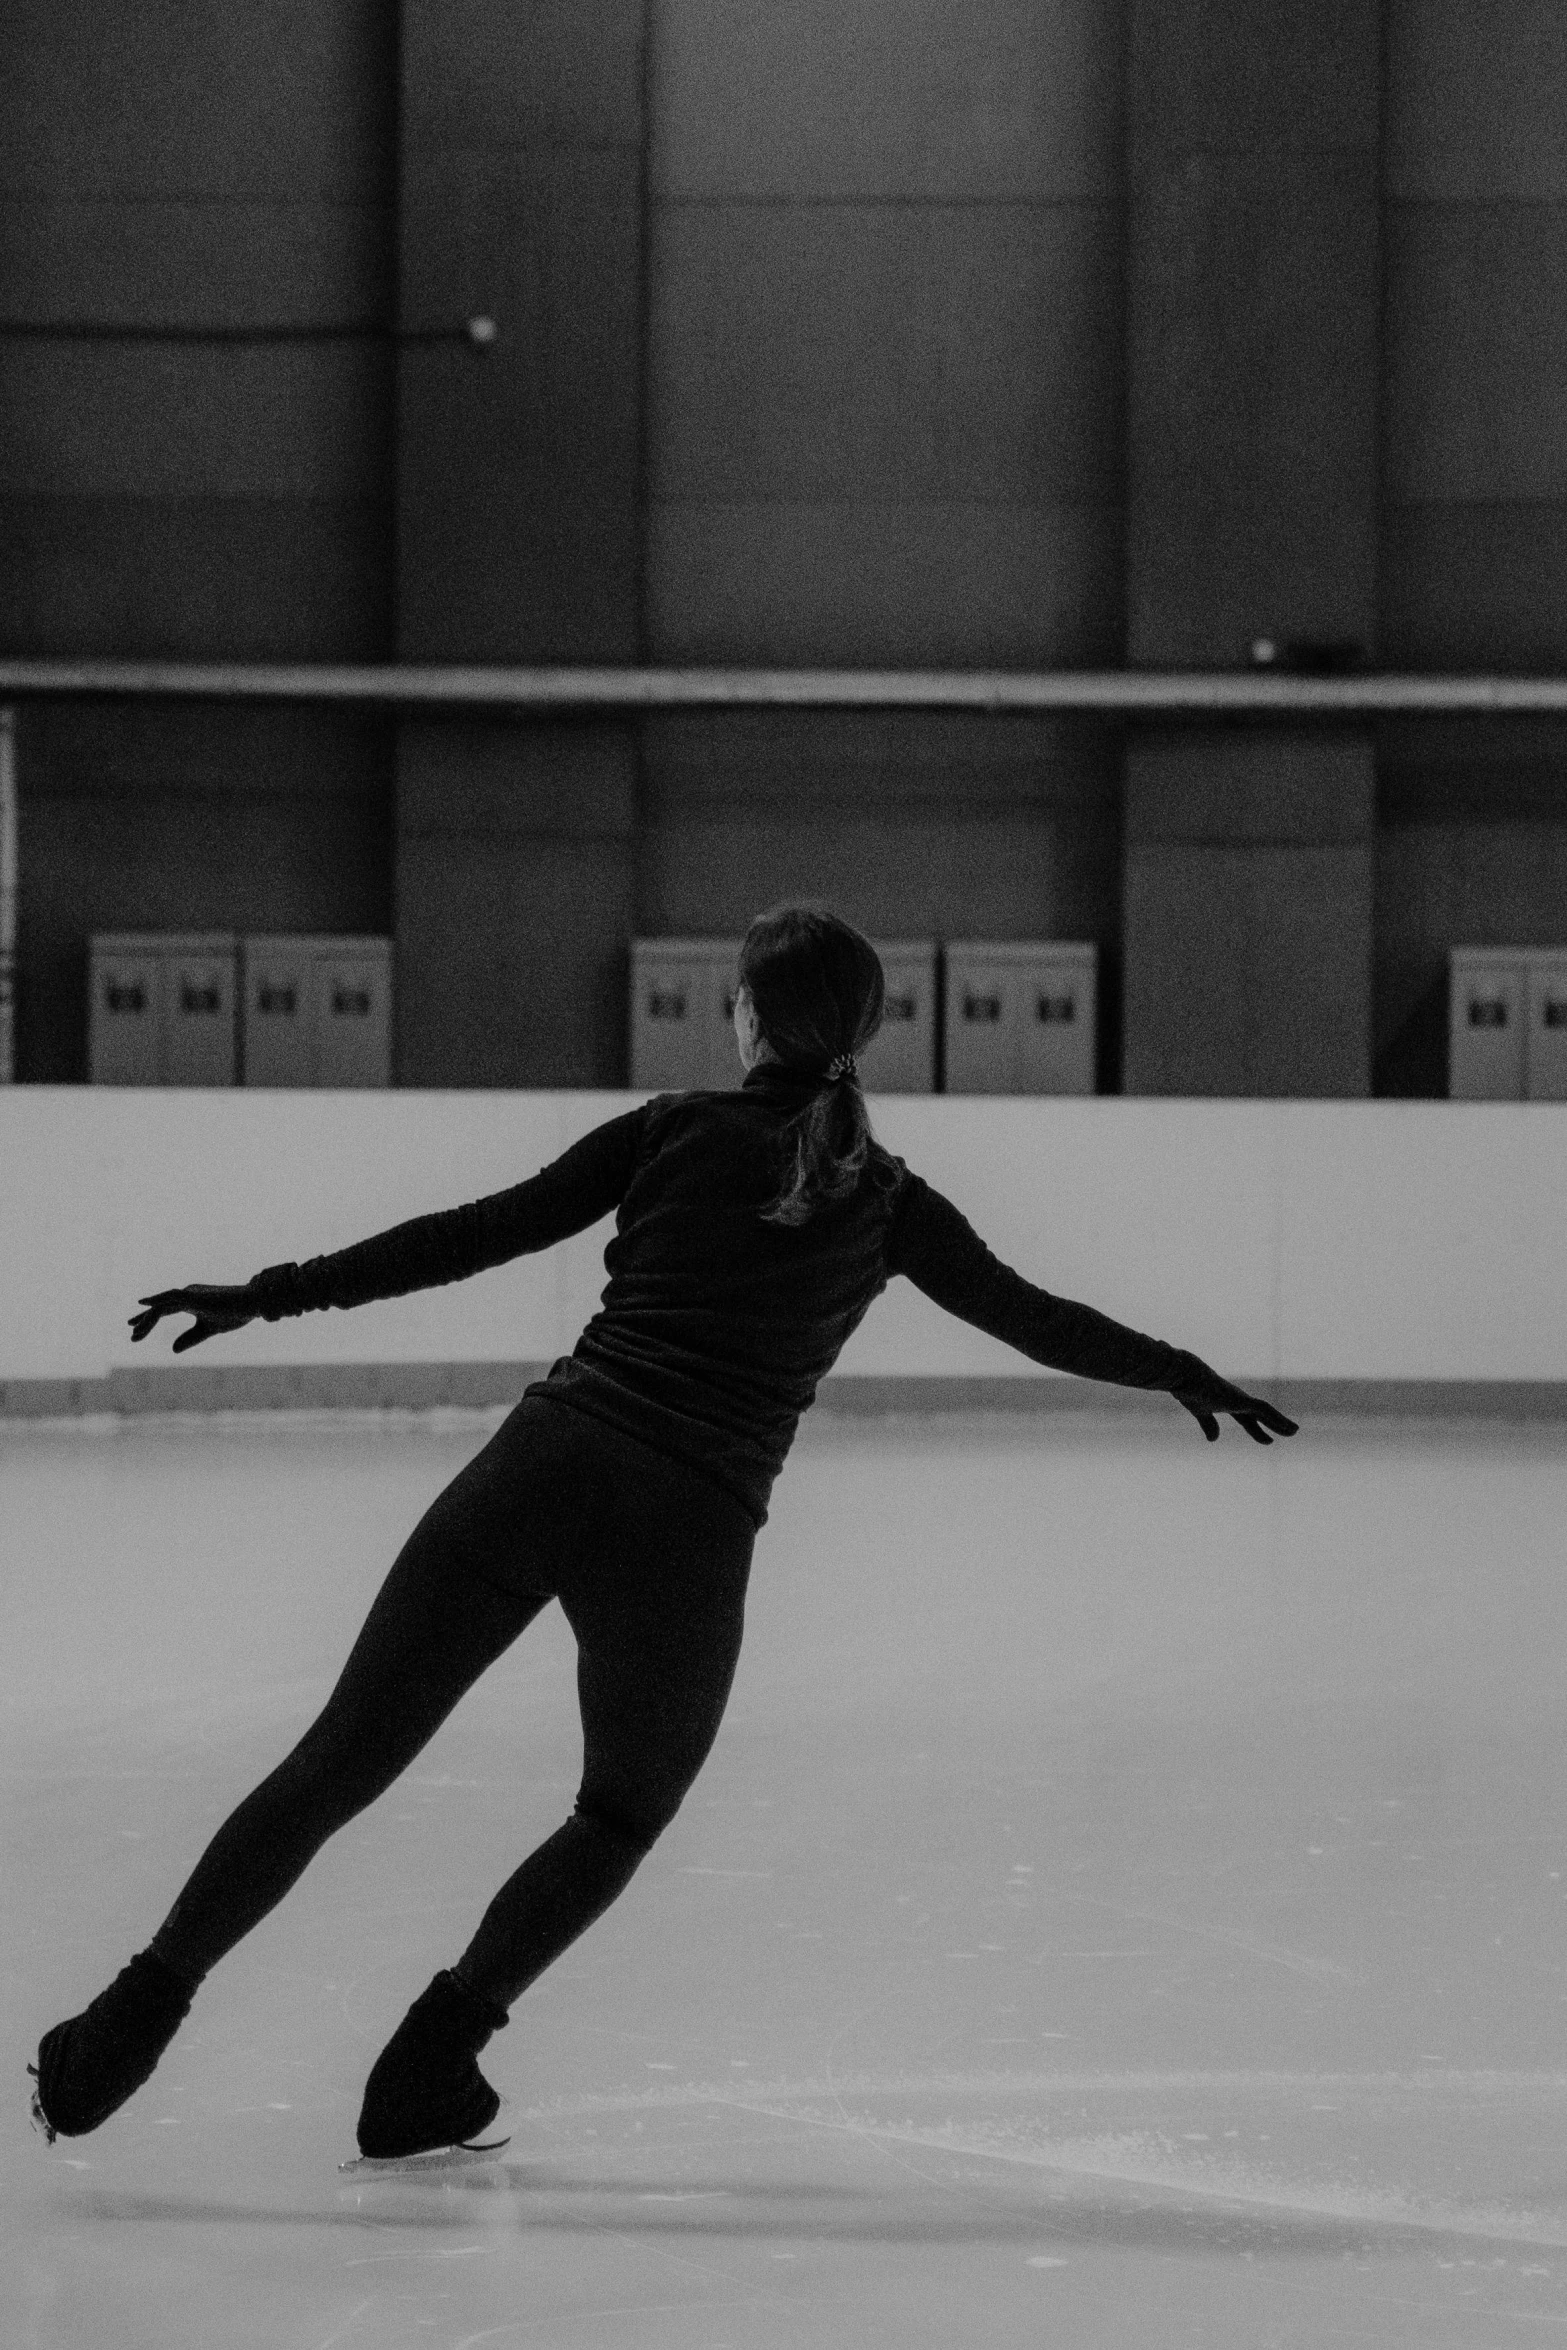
[649, 1560]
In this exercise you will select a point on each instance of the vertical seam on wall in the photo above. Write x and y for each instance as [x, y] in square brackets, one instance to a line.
[1379, 426]
[1379, 420]
[397, 1018]
[644, 326]
[394, 651]
[644, 470]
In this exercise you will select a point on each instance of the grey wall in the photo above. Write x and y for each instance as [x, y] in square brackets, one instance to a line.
[830, 333]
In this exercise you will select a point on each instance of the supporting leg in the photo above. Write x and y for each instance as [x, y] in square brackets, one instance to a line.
[556, 1895]
[656, 1661]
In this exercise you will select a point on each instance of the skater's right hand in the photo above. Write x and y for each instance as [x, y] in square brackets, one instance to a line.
[1204, 1394]
[214, 1308]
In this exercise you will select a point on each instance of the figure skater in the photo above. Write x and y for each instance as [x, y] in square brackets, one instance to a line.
[753, 1229]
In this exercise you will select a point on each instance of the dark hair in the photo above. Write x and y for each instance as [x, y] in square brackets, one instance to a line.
[817, 988]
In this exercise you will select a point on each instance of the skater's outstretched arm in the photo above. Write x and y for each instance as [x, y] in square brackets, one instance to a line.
[936, 1247]
[568, 1195]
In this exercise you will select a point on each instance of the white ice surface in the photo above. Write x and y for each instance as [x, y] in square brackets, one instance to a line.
[1125, 1904]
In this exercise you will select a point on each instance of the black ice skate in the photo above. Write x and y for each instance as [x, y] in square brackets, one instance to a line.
[89, 2065]
[426, 2095]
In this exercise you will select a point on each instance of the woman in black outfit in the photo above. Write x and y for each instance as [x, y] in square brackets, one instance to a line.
[753, 1230]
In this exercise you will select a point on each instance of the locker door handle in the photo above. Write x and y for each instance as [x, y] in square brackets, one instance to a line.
[1057, 1007]
[354, 1000]
[898, 1007]
[666, 1004]
[275, 999]
[981, 1007]
[1555, 1013]
[1490, 1013]
[199, 999]
[124, 999]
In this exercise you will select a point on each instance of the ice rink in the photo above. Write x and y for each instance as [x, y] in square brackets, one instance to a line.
[1125, 1904]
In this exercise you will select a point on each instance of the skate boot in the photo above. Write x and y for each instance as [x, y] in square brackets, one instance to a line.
[425, 2089]
[88, 2066]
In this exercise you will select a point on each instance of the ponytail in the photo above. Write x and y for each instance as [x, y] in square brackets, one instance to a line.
[818, 990]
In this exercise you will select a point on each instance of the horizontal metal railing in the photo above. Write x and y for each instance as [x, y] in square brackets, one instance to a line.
[1127, 692]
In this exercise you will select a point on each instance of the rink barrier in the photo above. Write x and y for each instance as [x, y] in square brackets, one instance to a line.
[271, 1387]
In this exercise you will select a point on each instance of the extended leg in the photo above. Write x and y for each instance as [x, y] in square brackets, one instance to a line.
[432, 1630]
[429, 1635]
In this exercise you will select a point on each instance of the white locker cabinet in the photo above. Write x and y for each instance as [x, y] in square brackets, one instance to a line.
[901, 1056]
[317, 1011]
[1058, 1019]
[682, 1004]
[354, 1012]
[1021, 1016]
[164, 1009]
[200, 1011]
[980, 1020]
[278, 1040]
[125, 1009]
[1487, 1002]
[1545, 1042]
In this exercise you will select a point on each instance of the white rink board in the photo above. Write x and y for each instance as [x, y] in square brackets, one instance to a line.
[1345, 1240]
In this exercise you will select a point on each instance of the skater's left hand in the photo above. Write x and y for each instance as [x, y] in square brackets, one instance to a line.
[214, 1307]
[1207, 1394]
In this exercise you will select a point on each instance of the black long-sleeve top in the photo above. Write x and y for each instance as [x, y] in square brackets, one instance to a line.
[715, 1327]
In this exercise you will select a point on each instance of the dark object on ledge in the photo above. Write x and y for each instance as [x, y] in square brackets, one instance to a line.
[1304, 656]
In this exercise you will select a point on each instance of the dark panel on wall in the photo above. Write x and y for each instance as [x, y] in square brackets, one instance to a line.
[1252, 501]
[1472, 844]
[220, 172]
[140, 817]
[885, 433]
[1475, 514]
[1480, 587]
[515, 845]
[285, 101]
[1475, 102]
[1248, 915]
[519, 532]
[1254, 290]
[520, 473]
[193, 171]
[1471, 851]
[195, 579]
[1007, 101]
[886, 348]
[937, 827]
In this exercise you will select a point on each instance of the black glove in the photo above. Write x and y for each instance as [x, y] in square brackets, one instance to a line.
[1203, 1393]
[215, 1309]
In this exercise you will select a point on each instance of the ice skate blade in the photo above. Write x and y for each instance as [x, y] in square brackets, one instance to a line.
[40, 2119]
[434, 2158]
